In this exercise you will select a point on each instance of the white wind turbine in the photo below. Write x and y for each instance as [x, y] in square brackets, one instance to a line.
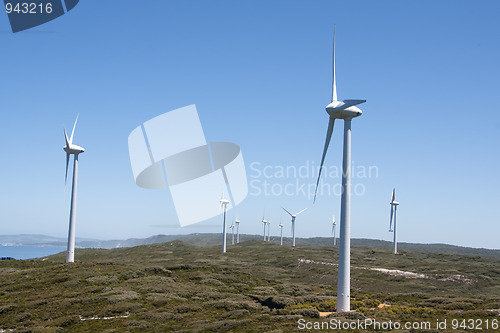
[264, 222]
[237, 230]
[232, 231]
[293, 223]
[333, 232]
[223, 204]
[394, 207]
[281, 233]
[345, 110]
[72, 149]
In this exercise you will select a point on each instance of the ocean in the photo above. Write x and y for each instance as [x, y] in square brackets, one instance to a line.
[29, 252]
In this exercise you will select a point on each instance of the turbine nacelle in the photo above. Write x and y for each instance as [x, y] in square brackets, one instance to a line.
[344, 109]
[73, 149]
[394, 203]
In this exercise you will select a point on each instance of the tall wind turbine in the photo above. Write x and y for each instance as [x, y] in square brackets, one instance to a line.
[223, 204]
[345, 110]
[333, 232]
[281, 233]
[394, 208]
[293, 223]
[72, 149]
[237, 230]
[232, 231]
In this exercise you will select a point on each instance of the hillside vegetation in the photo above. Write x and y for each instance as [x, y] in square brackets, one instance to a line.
[254, 287]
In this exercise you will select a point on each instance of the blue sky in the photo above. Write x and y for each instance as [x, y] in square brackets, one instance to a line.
[259, 73]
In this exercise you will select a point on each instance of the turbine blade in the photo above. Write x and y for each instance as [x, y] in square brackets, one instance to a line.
[73, 131]
[327, 142]
[287, 211]
[66, 138]
[300, 211]
[393, 194]
[334, 83]
[390, 221]
[67, 163]
[333, 227]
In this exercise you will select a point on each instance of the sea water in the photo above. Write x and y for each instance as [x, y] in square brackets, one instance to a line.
[29, 252]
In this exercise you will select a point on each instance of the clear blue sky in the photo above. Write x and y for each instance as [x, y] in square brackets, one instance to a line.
[259, 73]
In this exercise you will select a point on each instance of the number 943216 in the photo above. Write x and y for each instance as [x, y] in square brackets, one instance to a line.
[28, 8]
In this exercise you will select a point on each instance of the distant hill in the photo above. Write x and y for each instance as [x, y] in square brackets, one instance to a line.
[211, 239]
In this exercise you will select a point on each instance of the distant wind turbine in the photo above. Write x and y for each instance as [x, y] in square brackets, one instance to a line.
[232, 231]
[264, 222]
[237, 230]
[281, 233]
[293, 223]
[223, 204]
[345, 110]
[394, 207]
[72, 149]
[333, 232]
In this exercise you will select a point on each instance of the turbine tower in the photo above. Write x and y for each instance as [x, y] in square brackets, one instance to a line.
[333, 232]
[223, 204]
[281, 233]
[237, 230]
[394, 207]
[345, 110]
[72, 149]
[293, 223]
[264, 222]
[232, 231]
[268, 229]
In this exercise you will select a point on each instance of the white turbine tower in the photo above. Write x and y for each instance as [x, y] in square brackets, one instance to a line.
[232, 231]
[281, 233]
[223, 204]
[72, 149]
[293, 223]
[394, 208]
[333, 232]
[264, 222]
[237, 230]
[345, 110]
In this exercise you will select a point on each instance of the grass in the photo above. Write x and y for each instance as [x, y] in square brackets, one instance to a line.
[255, 287]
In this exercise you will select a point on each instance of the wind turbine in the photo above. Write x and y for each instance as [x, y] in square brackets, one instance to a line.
[224, 203]
[345, 110]
[293, 223]
[394, 207]
[264, 222]
[333, 232]
[281, 231]
[232, 231]
[237, 230]
[72, 149]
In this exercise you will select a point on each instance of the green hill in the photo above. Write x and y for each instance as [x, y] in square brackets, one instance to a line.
[254, 287]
